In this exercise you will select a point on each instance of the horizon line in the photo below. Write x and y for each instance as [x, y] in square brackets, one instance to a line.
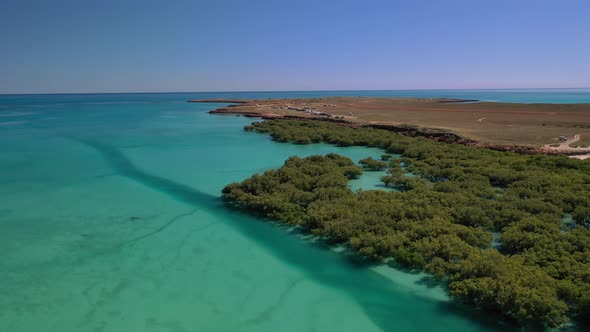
[259, 91]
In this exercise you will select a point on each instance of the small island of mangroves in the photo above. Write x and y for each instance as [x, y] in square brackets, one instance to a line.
[506, 233]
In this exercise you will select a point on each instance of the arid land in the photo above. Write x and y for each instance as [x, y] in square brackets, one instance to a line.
[506, 126]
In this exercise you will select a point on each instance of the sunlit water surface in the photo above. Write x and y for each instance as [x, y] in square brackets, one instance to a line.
[110, 220]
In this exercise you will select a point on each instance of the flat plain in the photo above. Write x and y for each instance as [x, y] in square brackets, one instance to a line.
[538, 125]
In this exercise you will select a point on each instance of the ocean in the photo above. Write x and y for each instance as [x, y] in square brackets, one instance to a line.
[111, 220]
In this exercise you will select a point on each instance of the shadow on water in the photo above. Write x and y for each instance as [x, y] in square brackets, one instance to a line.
[373, 292]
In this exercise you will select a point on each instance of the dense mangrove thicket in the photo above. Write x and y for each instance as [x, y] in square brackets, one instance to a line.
[443, 219]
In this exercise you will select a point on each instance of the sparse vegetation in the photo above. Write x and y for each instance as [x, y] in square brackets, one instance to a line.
[511, 124]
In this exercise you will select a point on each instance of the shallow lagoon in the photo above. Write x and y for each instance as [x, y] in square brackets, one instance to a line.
[110, 221]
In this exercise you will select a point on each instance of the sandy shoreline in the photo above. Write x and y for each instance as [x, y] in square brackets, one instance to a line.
[522, 128]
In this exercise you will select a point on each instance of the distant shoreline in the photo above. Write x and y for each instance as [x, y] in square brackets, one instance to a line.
[518, 127]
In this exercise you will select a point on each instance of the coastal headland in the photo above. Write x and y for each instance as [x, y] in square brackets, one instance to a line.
[519, 127]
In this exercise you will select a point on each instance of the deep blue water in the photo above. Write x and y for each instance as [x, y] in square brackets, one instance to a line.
[517, 95]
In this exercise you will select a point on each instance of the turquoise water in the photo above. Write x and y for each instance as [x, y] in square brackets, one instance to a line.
[110, 220]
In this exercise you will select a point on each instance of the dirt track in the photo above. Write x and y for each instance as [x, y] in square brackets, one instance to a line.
[565, 146]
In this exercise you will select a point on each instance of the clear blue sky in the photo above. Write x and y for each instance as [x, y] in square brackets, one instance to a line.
[222, 45]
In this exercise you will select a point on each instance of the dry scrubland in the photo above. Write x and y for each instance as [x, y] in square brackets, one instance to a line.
[583, 142]
[486, 122]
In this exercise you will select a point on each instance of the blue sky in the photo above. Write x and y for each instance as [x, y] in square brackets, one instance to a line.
[222, 45]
